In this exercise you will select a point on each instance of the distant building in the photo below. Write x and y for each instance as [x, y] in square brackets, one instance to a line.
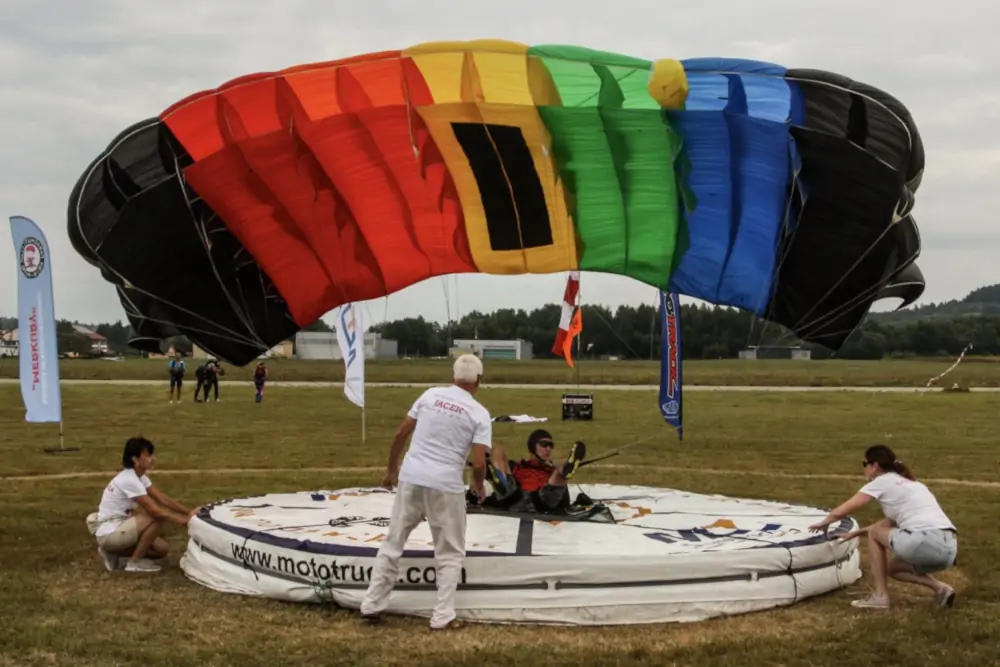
[494, 349]
[776, 352]
[98, 343]
[160, 355]
[323, 345]
[283, 350]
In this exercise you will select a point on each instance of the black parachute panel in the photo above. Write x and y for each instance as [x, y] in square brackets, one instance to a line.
[178, 268]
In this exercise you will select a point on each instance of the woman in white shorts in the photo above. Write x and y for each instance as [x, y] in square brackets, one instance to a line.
[123, 532]
[920, 536]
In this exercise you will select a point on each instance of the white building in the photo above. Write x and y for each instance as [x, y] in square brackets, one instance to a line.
[323, 345]
[776, 352]
[494, 349]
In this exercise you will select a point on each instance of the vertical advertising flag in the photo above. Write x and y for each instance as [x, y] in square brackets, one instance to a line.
[350, 338]
[36, 321]
[671, 359]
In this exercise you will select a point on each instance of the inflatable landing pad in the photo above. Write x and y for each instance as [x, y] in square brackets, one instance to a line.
[654, 556]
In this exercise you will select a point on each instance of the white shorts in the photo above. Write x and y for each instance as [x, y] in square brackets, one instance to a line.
[125, 536]
[928, 551]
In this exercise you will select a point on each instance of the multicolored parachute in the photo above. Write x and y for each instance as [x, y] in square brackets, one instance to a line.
[245, 213]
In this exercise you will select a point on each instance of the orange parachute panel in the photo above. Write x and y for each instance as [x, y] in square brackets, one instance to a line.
[268, 150]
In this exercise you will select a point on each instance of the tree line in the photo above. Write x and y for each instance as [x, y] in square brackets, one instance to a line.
[708, 332]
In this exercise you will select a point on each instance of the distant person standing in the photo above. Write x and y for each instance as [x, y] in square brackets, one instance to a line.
[177, 370]
[259, 379]
[215, 371]
[199, 374]
[208, 378]
[446, 423]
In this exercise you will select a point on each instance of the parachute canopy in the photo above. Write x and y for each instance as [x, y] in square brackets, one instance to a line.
[244, 213]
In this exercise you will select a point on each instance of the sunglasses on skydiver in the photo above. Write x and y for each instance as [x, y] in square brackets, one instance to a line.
[545, 443]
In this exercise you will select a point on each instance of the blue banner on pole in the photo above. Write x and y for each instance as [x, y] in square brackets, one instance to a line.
[671, 360]
[36, 321]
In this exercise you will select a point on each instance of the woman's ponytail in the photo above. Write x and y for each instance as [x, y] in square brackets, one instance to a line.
[888, 461]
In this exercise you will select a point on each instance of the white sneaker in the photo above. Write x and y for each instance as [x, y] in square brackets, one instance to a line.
[945, 597]
[141, 565]
[871, 602]
[110, 560]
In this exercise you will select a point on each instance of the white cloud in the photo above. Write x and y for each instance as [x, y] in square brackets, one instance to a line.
[73, 74]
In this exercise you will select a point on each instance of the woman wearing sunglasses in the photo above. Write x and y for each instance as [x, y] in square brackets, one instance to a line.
[915, 529]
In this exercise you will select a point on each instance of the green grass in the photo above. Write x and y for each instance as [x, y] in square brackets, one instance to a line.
[972, 372]
[58, 607]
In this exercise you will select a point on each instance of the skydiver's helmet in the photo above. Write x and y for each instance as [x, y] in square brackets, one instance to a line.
[537, 436]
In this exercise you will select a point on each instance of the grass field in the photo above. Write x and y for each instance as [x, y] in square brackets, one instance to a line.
[58, 607]
[972, 372]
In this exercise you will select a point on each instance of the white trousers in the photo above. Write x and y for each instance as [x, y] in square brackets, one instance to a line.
[445, 514]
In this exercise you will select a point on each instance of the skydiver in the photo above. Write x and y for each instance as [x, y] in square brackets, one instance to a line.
[535, 483]
[259, 379]
[213, 371]
[177, 369]
[207, 376]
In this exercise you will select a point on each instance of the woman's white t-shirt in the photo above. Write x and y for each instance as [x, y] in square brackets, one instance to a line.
[118, 501]
[449, 421]
[910, 505]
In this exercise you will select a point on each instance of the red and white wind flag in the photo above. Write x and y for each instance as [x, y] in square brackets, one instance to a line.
[570, 323]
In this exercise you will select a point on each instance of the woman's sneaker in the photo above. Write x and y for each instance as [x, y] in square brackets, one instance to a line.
[871, 602]
[110, 560]
[945, 597]
[141, 565]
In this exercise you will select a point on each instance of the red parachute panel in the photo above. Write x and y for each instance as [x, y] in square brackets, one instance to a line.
[330, 179]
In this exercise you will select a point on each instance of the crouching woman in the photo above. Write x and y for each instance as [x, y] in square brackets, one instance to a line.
[132, 512]
[915, 530]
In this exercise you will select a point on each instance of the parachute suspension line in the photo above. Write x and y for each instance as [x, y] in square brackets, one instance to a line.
[510, 190]
[241, 313]
[232, 339]
[872, 289]
[409, 118]
[950, 368]
[785, 250]
[104, 265]
[799, 325]
[612, 329]
[836, 312]
[623, 448]
[447, 311]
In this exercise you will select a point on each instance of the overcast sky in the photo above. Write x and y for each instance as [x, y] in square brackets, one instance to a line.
[73, 74]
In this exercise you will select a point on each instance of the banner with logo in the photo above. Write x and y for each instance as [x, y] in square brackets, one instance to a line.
[671, 359]
[36, 321]
[350, 338]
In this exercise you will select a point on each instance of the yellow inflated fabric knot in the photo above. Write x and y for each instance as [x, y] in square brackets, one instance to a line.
[668, 84]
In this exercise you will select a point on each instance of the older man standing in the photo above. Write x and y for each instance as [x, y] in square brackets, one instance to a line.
[446, 423]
